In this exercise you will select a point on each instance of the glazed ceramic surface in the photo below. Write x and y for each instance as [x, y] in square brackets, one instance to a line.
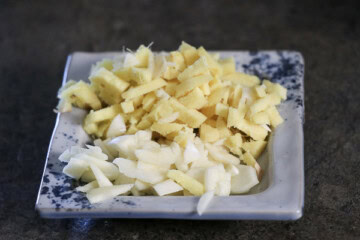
[279, 196]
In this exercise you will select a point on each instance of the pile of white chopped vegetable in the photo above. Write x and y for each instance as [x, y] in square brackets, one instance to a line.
[183, 124]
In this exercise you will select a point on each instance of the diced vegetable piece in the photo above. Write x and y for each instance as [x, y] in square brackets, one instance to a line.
[214, 66]
[80, 94]
[254, 131]
[251, 161]
[275, 88]
[105, 63]
[216, 96]
[191, 83]
[136, 116]
[123, 73]
[234, 117]
[197, 172]
[177, 58]
[222, 110]
[105, 193]
[150, 173]
[236, 96]
[203, 163]
[143, 89]
[205, 88]
[274, 116]
[141, 186]
[191, 153]
[109, 169]
[126, 167]
[254, 147]
[260, 118]
[108, 86]
[127, 106]
[183, 137]
[166, 128]
[173, 117]
[117, 127]
[161, 157]
[189, 52]
[232, 170]
[244, 181]
[167, 187]
[148, 101]
[123, 179]
[187, 182]
[224, 185]
[88, 176]
[87, 187]
[101, 115]
[160, 93]
[191, 117]
[198, 68]
[260, 90]
[234, 143]
[221, 155]
[204, 201]
[212, 177]
[224, 132]
[228, 65]
[142, 55]
[63, 106]
[105, 148]
[263, 103]
[75, 168]
[131, 60]
[195, 99]
[65, 156]
[141, 75]
[102, 180]
[242, 78]
[208, 133]
[125, 145]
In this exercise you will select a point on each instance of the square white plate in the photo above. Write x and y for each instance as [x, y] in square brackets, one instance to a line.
[279, 196]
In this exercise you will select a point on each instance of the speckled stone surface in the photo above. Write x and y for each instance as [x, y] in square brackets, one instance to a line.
[36, 37]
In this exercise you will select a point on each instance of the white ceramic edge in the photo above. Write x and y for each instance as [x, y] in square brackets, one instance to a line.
[215, 211]
[66, 70]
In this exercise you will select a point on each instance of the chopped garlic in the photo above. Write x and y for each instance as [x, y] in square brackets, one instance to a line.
[204, 202]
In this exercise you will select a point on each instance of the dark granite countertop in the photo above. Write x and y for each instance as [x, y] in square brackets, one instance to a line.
[36, 37]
